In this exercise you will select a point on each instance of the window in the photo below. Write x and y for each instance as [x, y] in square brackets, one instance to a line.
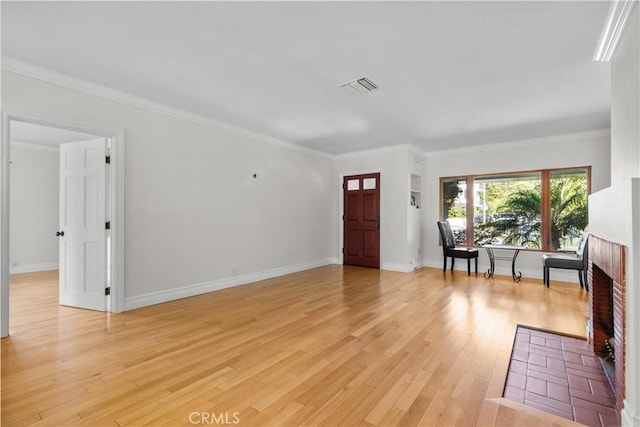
[508, 210]
[568, 193]
[544, 209]
[454, 206]
[369, 184]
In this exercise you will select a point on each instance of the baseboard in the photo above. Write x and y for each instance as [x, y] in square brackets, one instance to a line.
[629, 419]
[160, 297]
[32, 268]
[402, 268]
[558, 275]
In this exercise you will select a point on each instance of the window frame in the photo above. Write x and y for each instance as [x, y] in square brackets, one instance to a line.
[545, 189]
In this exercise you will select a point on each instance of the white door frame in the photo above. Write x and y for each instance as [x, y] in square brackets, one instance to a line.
[117, 207]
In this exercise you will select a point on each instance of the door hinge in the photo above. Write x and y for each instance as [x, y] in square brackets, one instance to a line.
[107, 225]
[343, 217]
[342, 250]
[108, 159]
[107, 290]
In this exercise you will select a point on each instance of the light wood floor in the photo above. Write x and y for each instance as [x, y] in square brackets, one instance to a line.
[330, 346]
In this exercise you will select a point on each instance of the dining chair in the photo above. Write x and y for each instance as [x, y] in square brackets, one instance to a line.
[570, 261]
[450, 250]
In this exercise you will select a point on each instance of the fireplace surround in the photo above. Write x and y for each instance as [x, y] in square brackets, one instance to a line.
[607, 307]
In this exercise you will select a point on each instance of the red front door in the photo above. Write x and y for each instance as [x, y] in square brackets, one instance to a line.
[362, 220]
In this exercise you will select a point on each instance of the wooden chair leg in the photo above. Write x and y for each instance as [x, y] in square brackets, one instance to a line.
[547, 275]
[444, 268]
[580, 278]
[586, 280]
[453, 260]
[476, 258]
[468, 266]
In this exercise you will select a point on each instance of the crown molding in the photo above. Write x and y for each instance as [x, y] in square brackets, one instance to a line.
[33, 71]
[613, 28]
[520, 143]
[44, 74]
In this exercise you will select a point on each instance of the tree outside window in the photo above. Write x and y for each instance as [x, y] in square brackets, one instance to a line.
[454, 206]
[508, 208]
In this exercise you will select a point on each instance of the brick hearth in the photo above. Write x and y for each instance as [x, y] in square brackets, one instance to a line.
[607, 304]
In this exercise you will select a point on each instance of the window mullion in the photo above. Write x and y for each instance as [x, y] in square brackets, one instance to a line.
[545, 215]
[470, 210]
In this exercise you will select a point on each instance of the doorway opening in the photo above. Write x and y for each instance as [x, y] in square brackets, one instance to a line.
[28, 142]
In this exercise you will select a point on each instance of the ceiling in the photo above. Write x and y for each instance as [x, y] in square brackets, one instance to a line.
[450, 74]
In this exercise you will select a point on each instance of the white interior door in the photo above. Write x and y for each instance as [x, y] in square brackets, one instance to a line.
[82, 233]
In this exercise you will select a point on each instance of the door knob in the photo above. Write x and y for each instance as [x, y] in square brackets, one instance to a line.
[60, 233]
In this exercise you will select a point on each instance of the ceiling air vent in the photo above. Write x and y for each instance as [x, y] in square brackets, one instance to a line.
[360, 86]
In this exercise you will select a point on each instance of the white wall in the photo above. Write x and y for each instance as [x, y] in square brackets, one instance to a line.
[625, 87]
[616, 210]
[567, 151]
[195, 217]
[34, 208]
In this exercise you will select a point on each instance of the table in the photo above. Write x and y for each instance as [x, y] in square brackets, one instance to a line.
[492, 259]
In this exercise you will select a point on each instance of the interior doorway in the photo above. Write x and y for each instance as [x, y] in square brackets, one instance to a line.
[26, 133]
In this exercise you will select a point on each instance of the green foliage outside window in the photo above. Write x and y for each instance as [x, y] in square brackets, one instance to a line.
[450, 191]
[568, 211]
[457, 212]
[508, 208]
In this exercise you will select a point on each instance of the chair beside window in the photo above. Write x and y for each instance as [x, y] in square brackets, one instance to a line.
[578, 261]
[450, 250]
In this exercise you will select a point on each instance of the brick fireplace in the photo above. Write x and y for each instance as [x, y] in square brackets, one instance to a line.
[607, 305]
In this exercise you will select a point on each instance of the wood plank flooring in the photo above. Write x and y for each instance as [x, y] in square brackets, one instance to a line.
[329, 346]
